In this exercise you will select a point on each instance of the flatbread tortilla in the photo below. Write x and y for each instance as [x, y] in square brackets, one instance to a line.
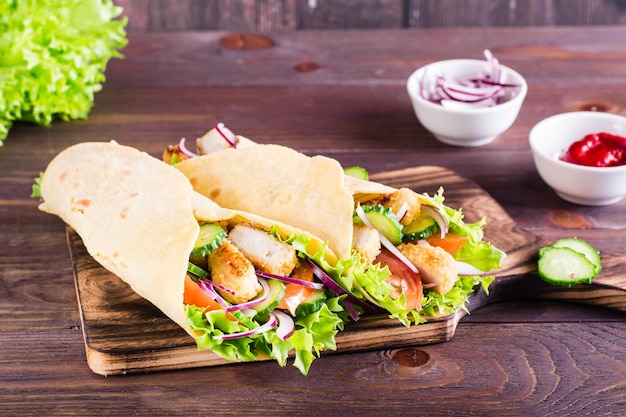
[138, 217]
[279, 183]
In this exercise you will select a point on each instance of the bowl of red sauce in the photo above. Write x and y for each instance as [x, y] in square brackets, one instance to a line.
[582, 156]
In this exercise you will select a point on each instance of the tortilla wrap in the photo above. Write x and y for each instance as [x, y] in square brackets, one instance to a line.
[280, 183]
[138, 217]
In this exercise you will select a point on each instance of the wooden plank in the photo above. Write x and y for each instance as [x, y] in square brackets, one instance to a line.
[278, 15]
[125, 333]
[350, 14]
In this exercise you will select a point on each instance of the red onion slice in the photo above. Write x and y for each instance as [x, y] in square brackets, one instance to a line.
[469, 93]
[441, 220]
[227, 134]
[466, 269]
[286, 325]
[351, 310]
[338, 289]
[290, 280]
[184, 150]
[207, 287]
[252, 303]
[221, 287]
[486, 89]
[404, 208]
[269, 325]
[386, 242]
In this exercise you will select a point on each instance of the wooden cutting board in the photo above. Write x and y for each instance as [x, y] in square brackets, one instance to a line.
[124, 333]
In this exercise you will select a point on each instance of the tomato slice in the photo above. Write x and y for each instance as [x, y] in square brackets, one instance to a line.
[295, 294]
[194, 295]
[450, 243]
[403, 279]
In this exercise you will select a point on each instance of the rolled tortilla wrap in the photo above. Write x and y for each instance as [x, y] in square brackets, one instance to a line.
[138, 217]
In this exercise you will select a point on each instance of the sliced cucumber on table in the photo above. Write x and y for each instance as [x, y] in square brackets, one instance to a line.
[580, 246]
[568, 262]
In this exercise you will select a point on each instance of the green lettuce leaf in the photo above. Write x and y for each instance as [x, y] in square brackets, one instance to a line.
[53, 54]
[483, 255]
[314, 332]
[368, 282]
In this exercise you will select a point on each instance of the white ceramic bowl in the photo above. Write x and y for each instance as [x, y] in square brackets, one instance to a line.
[465, 127]
[591, 186]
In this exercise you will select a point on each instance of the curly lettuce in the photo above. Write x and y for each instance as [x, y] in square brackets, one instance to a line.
[53, 54]
[314, 333]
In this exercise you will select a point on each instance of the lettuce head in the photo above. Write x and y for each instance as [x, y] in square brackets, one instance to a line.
[53, 54]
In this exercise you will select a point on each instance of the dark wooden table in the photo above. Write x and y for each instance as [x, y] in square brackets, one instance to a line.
[341, 94]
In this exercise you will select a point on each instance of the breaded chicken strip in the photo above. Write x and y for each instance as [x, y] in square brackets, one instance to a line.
[366, 241]
[263, 250]
[400, 197]
[435, 265]
[230, 268]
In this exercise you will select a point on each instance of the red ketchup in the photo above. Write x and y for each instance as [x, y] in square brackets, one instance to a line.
[597, 150]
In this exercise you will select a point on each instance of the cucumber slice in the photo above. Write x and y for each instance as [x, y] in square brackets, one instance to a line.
[565, 266]
[421, 227]
[356, 172]
[277, 292]
[313, 303]
[209, 239]
[196, 270]
[385, 222]
[243, 319]
[580, 246]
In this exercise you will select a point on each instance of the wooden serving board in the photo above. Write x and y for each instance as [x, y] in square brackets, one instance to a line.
[125, 333]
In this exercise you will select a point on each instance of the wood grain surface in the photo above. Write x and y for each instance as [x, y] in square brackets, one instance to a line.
[125, 333]
[281, 15]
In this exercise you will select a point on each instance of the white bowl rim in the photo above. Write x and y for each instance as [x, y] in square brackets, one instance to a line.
[411, 86]
[533, 138]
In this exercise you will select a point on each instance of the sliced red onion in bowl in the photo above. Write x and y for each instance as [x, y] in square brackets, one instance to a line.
[480, 91]
[468, 94]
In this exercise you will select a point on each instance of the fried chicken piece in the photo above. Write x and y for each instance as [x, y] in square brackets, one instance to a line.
[230, 269]
[435, 265]
[366, 241]
[397, 199]
[263, 250]
[172, 155]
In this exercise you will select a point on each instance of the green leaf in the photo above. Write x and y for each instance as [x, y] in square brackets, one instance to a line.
[53, 54]
[36, 193]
